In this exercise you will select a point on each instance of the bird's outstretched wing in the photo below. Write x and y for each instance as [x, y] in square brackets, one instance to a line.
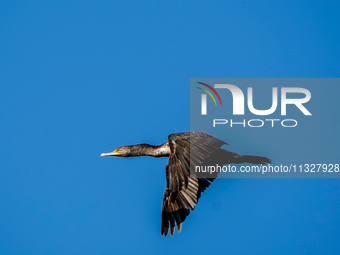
[184, 189]
[177, 205]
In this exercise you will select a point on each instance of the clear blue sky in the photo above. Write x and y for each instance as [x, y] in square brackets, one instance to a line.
[79, 78]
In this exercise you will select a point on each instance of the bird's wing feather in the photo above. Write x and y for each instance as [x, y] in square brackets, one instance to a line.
[201, 146]
[183, 188]
[177, 205]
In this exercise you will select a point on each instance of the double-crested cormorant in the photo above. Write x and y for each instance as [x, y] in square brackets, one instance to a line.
[184, 188]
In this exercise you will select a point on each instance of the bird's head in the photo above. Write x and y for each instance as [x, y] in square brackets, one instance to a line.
[124, 151]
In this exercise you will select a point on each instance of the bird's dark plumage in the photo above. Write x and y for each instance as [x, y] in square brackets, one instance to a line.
[184, 188]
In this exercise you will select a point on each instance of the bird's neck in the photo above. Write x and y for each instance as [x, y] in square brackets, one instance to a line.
[150, 150]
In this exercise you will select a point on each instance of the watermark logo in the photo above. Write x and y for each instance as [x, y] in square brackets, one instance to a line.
[238, 100]
[204, 97]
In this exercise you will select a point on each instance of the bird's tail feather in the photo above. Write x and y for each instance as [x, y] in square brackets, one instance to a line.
[252, 159]
[223, 157]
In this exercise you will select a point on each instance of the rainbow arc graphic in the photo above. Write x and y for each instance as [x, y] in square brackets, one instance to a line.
[209, 93]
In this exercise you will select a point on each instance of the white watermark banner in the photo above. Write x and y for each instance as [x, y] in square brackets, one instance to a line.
[265, 127]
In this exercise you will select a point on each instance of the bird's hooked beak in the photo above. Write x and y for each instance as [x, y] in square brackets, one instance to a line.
[112, 153]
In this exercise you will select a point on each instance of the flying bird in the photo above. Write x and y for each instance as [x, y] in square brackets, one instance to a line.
[184, 188]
